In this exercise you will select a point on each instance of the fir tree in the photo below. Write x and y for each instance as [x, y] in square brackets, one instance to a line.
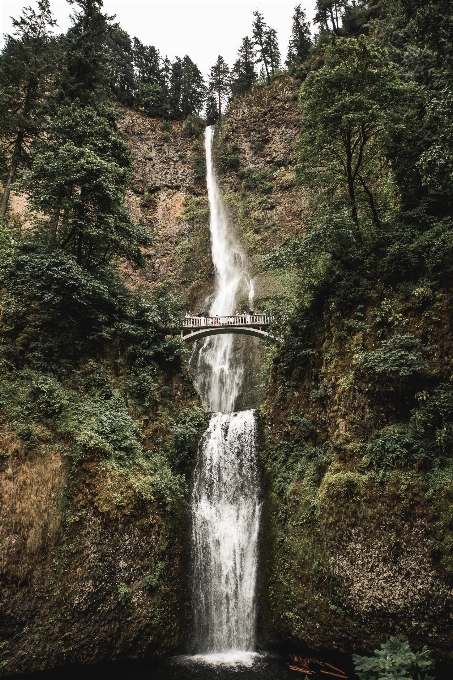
[265, 40]
[329, 13]
[85, 73]
[219, 83]
[25, 68]
[300, 41]
[243, 72]
[122, 78]
[212, 111]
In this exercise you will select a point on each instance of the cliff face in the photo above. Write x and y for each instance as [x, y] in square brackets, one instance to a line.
[94, 554]
[168, 195]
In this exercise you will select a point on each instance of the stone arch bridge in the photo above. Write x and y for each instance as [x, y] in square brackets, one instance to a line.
[196, 327]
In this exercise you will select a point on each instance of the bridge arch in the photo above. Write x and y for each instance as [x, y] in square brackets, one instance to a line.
[220, 330]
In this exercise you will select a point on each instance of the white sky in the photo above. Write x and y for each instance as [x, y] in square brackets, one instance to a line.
[201, 29]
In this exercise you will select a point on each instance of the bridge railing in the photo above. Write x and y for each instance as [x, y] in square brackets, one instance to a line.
[233, 320]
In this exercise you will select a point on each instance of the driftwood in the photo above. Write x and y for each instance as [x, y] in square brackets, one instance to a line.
[312, 666]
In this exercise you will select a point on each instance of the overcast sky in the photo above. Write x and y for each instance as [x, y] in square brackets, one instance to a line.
[201, 29]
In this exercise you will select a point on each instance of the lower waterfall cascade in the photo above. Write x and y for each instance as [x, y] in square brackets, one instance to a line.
[225, 501]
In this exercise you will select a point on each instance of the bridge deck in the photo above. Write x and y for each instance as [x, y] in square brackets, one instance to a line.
[192, 323]
[197, 327]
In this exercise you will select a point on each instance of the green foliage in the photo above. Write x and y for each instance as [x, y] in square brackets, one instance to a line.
[259, 180]
[394, 661]
[78, 180]
[124, 594]
[243, 73]
[185, 437]
[399, 357]
[425, 441]
[194, 125]
[348, 107]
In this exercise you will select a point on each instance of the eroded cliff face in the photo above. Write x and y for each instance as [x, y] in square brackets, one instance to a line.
[168, 195]
[94, 554]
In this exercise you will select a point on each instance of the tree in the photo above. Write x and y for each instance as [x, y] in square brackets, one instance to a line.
[300, 41]
[77, 188]
[122, 78]
[25, 70]
[212, 111]
[265, 40]
[187, 90]
[349, 106]
[86, 72]
[147, 63]
[243, 73]
[219, 83]
[329, 13]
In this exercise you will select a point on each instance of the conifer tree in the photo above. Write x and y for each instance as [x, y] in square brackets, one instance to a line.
[78, 179]
[122, 78]
[243, 73]
[212, 111]
[329, 13]
[25, 67]
[85, 73]
[187, 89]
[265, 40]
[219, 83]
[300, 41]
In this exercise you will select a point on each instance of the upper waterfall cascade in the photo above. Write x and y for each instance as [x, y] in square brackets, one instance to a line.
[226, 492]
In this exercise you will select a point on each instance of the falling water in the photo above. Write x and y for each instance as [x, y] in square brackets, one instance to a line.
[219, 370]
[225, 498]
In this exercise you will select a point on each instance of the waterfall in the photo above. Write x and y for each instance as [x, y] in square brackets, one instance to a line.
[226, 497]
[226, 511]
[219, 371]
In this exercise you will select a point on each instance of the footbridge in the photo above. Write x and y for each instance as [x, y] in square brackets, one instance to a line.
[196, 327]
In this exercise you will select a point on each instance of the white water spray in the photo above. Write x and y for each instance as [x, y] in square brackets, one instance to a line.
[219, 372]
[225, 499]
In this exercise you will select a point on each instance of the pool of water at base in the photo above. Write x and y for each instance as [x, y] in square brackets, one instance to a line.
[234, 666]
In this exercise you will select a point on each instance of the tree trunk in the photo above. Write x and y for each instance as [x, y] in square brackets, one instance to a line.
[12, 172]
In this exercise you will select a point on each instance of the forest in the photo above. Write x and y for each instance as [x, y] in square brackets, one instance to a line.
[356, 416]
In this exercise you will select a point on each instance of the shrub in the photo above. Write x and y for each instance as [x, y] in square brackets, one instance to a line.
[124, 594]
[394, 661]
[258, 179]
[401, 356]
[194, 125]
[185, 438]
[427, 439]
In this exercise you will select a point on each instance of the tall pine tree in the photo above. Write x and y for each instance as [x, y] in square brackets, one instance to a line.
[25, 71]
[300, 41]
[266, 43]
[243, 73]
[219, 83]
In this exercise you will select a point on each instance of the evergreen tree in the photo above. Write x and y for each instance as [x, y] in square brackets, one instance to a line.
[122, 79]
[25, 68]
[80, 172]
[212, 111]
[329, 13]
[187, 90]
[272, 50]
[193, 90]
[219, 83]
[147, 63]
[265, 40]
[300, 42]
[243, 73]
[85, 74]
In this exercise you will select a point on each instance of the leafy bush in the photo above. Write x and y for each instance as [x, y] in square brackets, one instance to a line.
[400, 356]
[258, 179]
[394, 661]
[427, 439]
[194, 125]
[185, 437]
[124, 594]
[229, 161]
